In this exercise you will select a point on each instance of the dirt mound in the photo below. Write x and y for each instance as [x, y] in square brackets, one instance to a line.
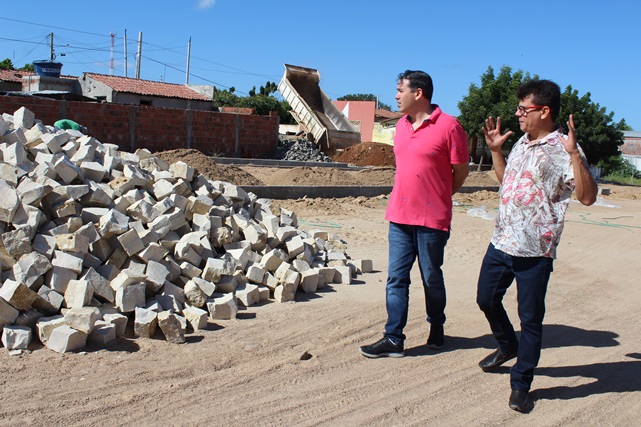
[310, 176]
[367, 154]
[206, 166]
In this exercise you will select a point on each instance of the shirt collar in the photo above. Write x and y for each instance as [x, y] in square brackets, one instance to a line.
[431, 119]
[549, 138]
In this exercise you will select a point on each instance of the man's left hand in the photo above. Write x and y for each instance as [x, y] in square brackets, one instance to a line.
[570, 143]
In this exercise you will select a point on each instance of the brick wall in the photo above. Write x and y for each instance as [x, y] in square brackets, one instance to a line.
[137, 126]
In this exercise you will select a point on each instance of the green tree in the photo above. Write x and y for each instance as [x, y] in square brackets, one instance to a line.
[27, 67]
[262, 102]
[599, 137]
[364, 97]
[6, 64]
[496, 97]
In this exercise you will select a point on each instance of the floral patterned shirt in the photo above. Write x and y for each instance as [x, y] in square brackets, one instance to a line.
[537, 186]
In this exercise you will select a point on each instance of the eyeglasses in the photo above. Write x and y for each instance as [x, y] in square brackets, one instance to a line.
[525, 110]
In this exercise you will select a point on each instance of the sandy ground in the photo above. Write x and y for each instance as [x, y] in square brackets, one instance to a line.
[297, 363]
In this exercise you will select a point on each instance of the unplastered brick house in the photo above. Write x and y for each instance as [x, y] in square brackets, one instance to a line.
[123, 90]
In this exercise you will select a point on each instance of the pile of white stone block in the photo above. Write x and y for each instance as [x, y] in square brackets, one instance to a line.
[94, 238]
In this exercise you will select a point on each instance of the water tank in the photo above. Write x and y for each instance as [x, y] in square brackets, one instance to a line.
[47, 68]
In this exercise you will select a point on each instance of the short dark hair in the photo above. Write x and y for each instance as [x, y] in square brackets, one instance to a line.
[544, 93]
[418, 80]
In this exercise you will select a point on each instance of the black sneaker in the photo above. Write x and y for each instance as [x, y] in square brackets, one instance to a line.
[436, 339]
[383, 348]
[519, 401]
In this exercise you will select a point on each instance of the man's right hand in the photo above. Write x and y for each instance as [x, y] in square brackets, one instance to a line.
[492, 132]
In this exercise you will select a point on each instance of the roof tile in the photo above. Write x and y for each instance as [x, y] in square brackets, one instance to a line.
[148, 87]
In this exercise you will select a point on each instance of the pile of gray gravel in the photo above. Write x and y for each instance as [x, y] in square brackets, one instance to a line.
[300, 150]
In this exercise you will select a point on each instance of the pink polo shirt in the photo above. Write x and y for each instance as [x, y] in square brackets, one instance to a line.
[422, 193]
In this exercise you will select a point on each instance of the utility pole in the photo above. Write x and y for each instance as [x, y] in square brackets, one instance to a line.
[52, 55]
[125, 52]
[188, 58]
[138, 55]
[111, 54]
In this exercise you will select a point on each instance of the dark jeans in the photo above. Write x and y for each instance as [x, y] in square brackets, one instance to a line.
[532, 275]
[406, 243]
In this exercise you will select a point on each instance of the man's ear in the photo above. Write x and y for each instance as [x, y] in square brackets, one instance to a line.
[418, 93]
[545, 112]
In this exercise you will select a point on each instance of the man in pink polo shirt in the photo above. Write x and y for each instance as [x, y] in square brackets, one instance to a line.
[432, 158]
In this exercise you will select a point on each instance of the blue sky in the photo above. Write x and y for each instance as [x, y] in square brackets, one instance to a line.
[356, 46]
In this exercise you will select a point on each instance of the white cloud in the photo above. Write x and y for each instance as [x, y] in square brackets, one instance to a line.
[206, 4]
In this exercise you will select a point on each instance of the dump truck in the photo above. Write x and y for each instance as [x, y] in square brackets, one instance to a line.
[314, 111]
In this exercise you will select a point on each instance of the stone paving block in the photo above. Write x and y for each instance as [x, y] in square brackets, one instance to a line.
[78, 293]
[222, 307]
[93, 171]
[15, 152]
[16, 337]
[256, 274]
[17, 242]
[175, 291]
[64, 339]
[264, 293]
[145, 322]
[131, 242]
[19, 295]
[285, 292]
[113, 223]
[285, 233]
[153, 252]
[82, 318]
[156, 273]
[58, 277]
[72, 242]
[23, 118]
[67, 260]
[182, 170]
[343, 275]
[208, 288]
[45, 325]
[270, 281]
[119, 321]
[66, 170]
[129, 297]
[48, 301]
[364, 266]
[103, 332]
[227, 284]
[101, 285]
[196, 317]
[30, 267]
[247, 295]
[217, 267]
[171, 327]
[8, 314]
[193, 295]
[309, 280]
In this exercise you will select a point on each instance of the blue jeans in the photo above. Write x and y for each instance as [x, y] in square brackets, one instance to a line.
[406, 243]
[498, 271]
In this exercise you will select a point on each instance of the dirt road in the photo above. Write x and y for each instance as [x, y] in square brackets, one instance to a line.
[297, 363]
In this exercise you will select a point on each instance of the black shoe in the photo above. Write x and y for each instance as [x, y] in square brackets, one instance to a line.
[494, 360]
[436, 339]
[383, 348]
[519, 401]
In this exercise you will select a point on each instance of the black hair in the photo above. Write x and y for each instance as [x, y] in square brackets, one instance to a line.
[418, 80]
[544, 93]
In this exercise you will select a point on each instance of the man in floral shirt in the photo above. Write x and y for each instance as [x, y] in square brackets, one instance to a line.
[543, 169]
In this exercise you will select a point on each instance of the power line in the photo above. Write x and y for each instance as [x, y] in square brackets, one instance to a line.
[80, 49]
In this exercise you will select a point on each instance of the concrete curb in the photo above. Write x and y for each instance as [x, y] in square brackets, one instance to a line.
[328, 192]
[282, 163]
